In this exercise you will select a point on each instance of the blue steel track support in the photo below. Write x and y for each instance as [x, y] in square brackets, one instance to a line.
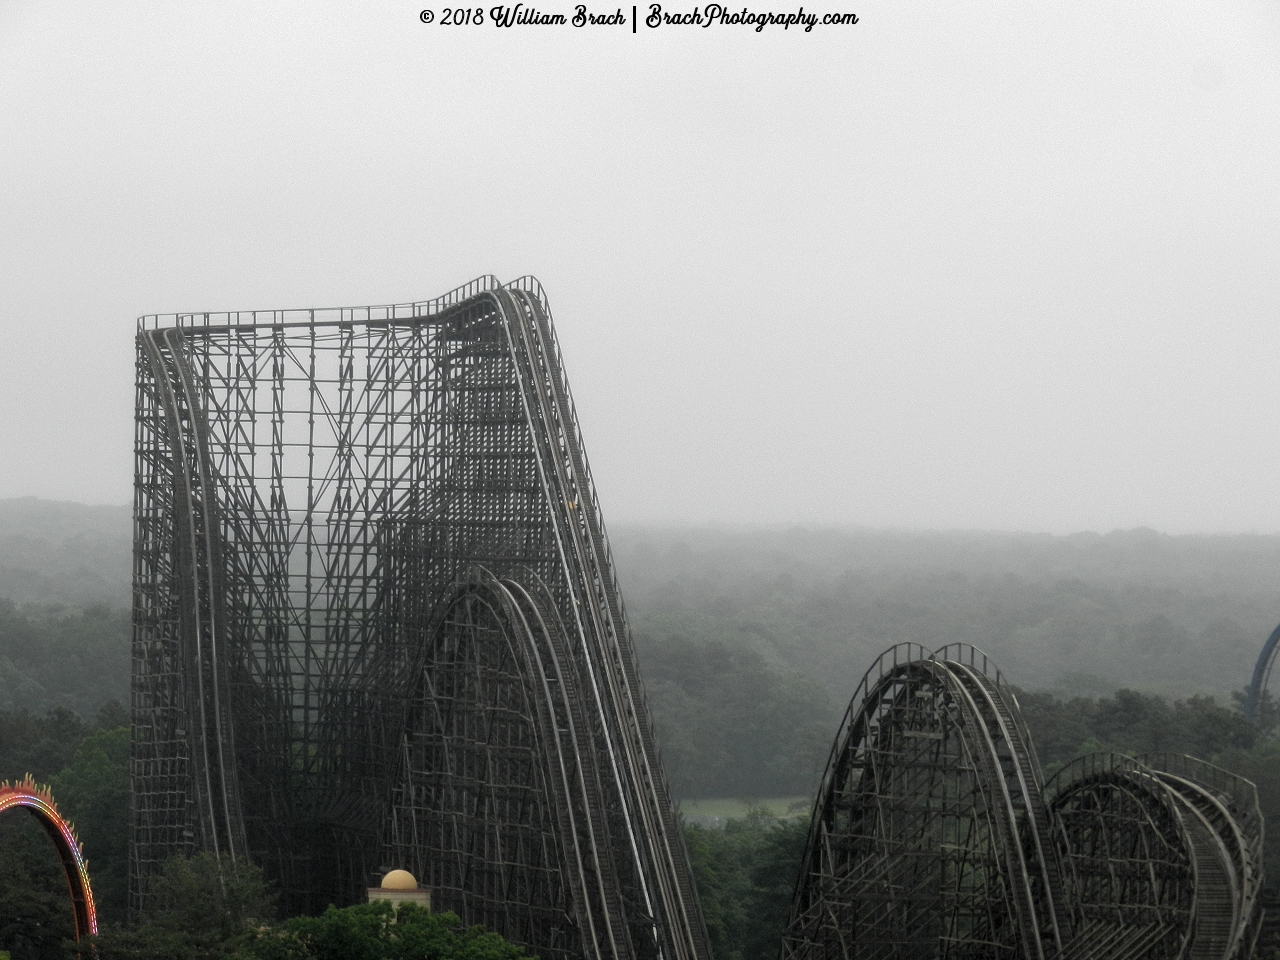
[1261, 675]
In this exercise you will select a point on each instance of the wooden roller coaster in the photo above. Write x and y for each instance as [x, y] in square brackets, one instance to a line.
[376, 622]
[935, 835]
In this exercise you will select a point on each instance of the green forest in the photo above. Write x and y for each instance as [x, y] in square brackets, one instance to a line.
[750, 642]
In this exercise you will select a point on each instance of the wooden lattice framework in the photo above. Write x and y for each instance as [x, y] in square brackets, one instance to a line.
[934, 835]
[376, 623]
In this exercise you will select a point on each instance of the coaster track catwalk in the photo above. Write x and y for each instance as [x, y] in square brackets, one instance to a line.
[1164, 857]
[376, 622]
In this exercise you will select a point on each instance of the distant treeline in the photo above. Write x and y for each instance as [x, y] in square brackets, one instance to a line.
[732, 726]
[64, 605]
[750, 644]
[65, 553]
[1083, 614]
[751, 641]
[1080, 614]
[745, 872]
[87, 766]
[1136, 723]
[54, 657]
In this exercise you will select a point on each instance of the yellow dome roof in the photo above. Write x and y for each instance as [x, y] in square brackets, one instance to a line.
[399, 880]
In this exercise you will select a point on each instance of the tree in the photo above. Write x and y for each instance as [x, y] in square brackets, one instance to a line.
[35, 910]
[203, 910]
[732, 726]
[40, 746]
[745, 874]
[375, 931]
[93, 792]
[200, 908]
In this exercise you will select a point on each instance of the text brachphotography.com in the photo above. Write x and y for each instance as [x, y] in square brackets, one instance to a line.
[712, 14]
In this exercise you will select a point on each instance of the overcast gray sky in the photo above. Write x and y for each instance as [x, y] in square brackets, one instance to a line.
[1004, 265]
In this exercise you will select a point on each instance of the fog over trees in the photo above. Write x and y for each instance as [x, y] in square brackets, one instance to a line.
[1084, 614]
[750, 642]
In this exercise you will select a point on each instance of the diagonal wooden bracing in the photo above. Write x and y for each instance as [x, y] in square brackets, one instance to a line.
[1163, 856]
[934, 836]
[376, 623]
[927, 835]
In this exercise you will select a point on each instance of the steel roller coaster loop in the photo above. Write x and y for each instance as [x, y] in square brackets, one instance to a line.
[39, 803]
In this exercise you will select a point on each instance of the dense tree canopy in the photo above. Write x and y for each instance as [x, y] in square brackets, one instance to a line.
[205, 910]
[93, 792]
[51, 657]
[1135, 723]
[35, 908]
[732, 726]
[92, 765]
[746, 874]
[373, 931]
[200, 909]
[750, 643]
[1083, 614]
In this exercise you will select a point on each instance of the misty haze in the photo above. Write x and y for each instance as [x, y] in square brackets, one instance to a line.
[946, 327]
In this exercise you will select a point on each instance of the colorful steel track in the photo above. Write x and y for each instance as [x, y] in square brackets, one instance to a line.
[37, 800]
